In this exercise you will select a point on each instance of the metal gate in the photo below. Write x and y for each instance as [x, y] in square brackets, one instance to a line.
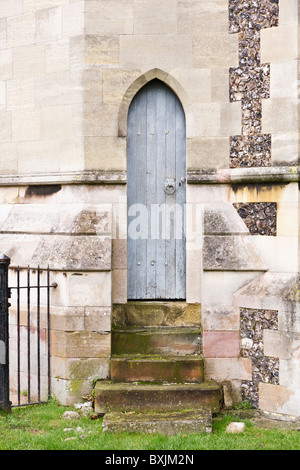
[24, 336]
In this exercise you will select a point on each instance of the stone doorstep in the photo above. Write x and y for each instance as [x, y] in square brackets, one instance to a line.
[156, 314]
[172, 423]
[182, 369]
[156, 341]
[125, 397]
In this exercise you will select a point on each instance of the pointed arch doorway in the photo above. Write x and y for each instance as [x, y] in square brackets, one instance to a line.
[156, 195]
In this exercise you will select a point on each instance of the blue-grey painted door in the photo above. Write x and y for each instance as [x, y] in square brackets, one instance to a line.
[156, 195]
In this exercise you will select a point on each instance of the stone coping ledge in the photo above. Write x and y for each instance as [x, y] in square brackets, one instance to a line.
[73, 177]
[285, 174]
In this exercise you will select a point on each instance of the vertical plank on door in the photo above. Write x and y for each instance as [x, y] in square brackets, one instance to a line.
[141, 195]
[180, 243]
[160, 292]
[171, 198]
[151, 182]
[131, 197]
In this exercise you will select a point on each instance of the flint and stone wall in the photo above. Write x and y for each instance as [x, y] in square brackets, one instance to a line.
[68, 72]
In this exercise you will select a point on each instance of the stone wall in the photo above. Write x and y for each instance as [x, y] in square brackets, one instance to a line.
[41, 86]
[68, 72]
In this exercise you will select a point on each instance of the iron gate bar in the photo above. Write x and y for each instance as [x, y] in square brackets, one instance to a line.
[48, 329]
[4, 334]
[18, 333]
[38, 334]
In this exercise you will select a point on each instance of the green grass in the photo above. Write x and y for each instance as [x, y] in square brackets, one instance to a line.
[41, 427]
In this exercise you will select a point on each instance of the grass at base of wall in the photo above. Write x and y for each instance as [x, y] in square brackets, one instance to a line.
[42, 427]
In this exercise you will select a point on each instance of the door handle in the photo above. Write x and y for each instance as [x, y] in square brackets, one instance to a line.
[170, 186]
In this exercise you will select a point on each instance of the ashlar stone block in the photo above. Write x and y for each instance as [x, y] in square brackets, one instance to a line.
[73, 19]
[11, 8]
[57, 56]
[20, 93]
[5, 64]
[228, 368]
[21, 30]
[29, 61]
[100, 49]
[35, 5]
[80, 344]
[155, 17]
[147, 52]
[113, 17]
[221, 344]
[279, 399]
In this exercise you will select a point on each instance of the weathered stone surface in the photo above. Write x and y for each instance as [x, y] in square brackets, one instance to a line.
[74, 253]
[220, 219]
[75, 369]
[221, 318]
[274, 291]
[61, 253]
[188, 422]
[85, 242]
[152, 397]
[71, 415]
[150, 314]
[163, 340]
[157, 369]
[97, 319]
[221, 344]
[235, 428]
[281, 344]
[231, 393]
[231, 253]
[80, 344]
[228, 369]
[75, 219]
[279, 399]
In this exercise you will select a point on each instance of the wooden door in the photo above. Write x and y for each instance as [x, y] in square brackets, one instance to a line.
[156, 195]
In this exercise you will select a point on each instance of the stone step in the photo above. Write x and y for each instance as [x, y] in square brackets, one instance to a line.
[172, 423]
[125, 397]
[156, 341]
[156, 313]
[157, 369]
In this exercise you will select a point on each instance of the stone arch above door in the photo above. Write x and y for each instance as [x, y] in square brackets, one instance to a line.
[139, 83]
